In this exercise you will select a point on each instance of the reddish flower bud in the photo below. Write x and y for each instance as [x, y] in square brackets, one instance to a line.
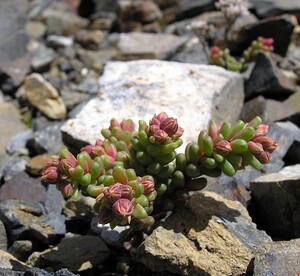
[99, 143]
[178, 133]
[261, 130]
[105, 216]
[160, 136]
[67, 190]
[255, 148]
[152, 129]
[112, 194]
[264, 157]
[215, 50]
[223, 147]
[122, 208]
[148, 186]
[169, 125]
[50, 175]
[268, 143]
[157, 119]
[127, 191]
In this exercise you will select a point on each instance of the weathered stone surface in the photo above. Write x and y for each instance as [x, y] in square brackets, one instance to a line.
[3, 237]
[10, 122]
[278, 258]
[269, 110]
[90, 39]
[8, 261]
[35, 272]
[275, 202]
[192, 93]
[209, 236]
[139, 44]
[267, 8]
[48, 140]
[73, 253]
[280, 28]
[42, 95]
[267, 79]
[26, 220]
[21, 249]
[42, 56]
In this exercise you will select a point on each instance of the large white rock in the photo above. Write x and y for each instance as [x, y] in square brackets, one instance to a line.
[139, 89]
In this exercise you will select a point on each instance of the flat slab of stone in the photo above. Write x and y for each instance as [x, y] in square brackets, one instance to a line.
[139, 89]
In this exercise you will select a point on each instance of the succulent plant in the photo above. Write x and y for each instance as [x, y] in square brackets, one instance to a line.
[136, 176]
[224, 59]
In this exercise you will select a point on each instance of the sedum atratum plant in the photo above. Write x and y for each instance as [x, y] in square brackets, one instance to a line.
[136, 176]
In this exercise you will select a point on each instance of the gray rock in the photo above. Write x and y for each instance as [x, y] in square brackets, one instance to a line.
[10, 122]
[17, 144]
[13, 167]
[21, 249]
[42, 56]
[35, 272]
[266, 79]
[267, 8]
[42, 95]
[3, 237]
[27, 220]
[140, 89]
[8, 261]
[54, 204]
[106, 5]
[23, 187]
[56, 41]
[278, 258]
[113, 237]
[89, 83]
[74, 253]
[193, 52]
[72, 97]
[208, 236]
[275, 199]
[269, 110]
[139, 44]
[45, 140]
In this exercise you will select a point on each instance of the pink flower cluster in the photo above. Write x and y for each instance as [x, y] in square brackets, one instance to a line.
[164, 129]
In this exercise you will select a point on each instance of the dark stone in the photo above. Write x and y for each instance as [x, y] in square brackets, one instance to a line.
[23, 187]
[191, 8]
[280, 28]
[275, 203]
[21, 249]
[27, 220]
[35, 272]
[267, 8]
[266, 79]
[41, 58]
[75, 253]
[48, 140]
[269, 110]
[278, 258]
[293, 154]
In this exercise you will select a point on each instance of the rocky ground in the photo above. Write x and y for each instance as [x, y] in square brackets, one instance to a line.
[67, 67]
